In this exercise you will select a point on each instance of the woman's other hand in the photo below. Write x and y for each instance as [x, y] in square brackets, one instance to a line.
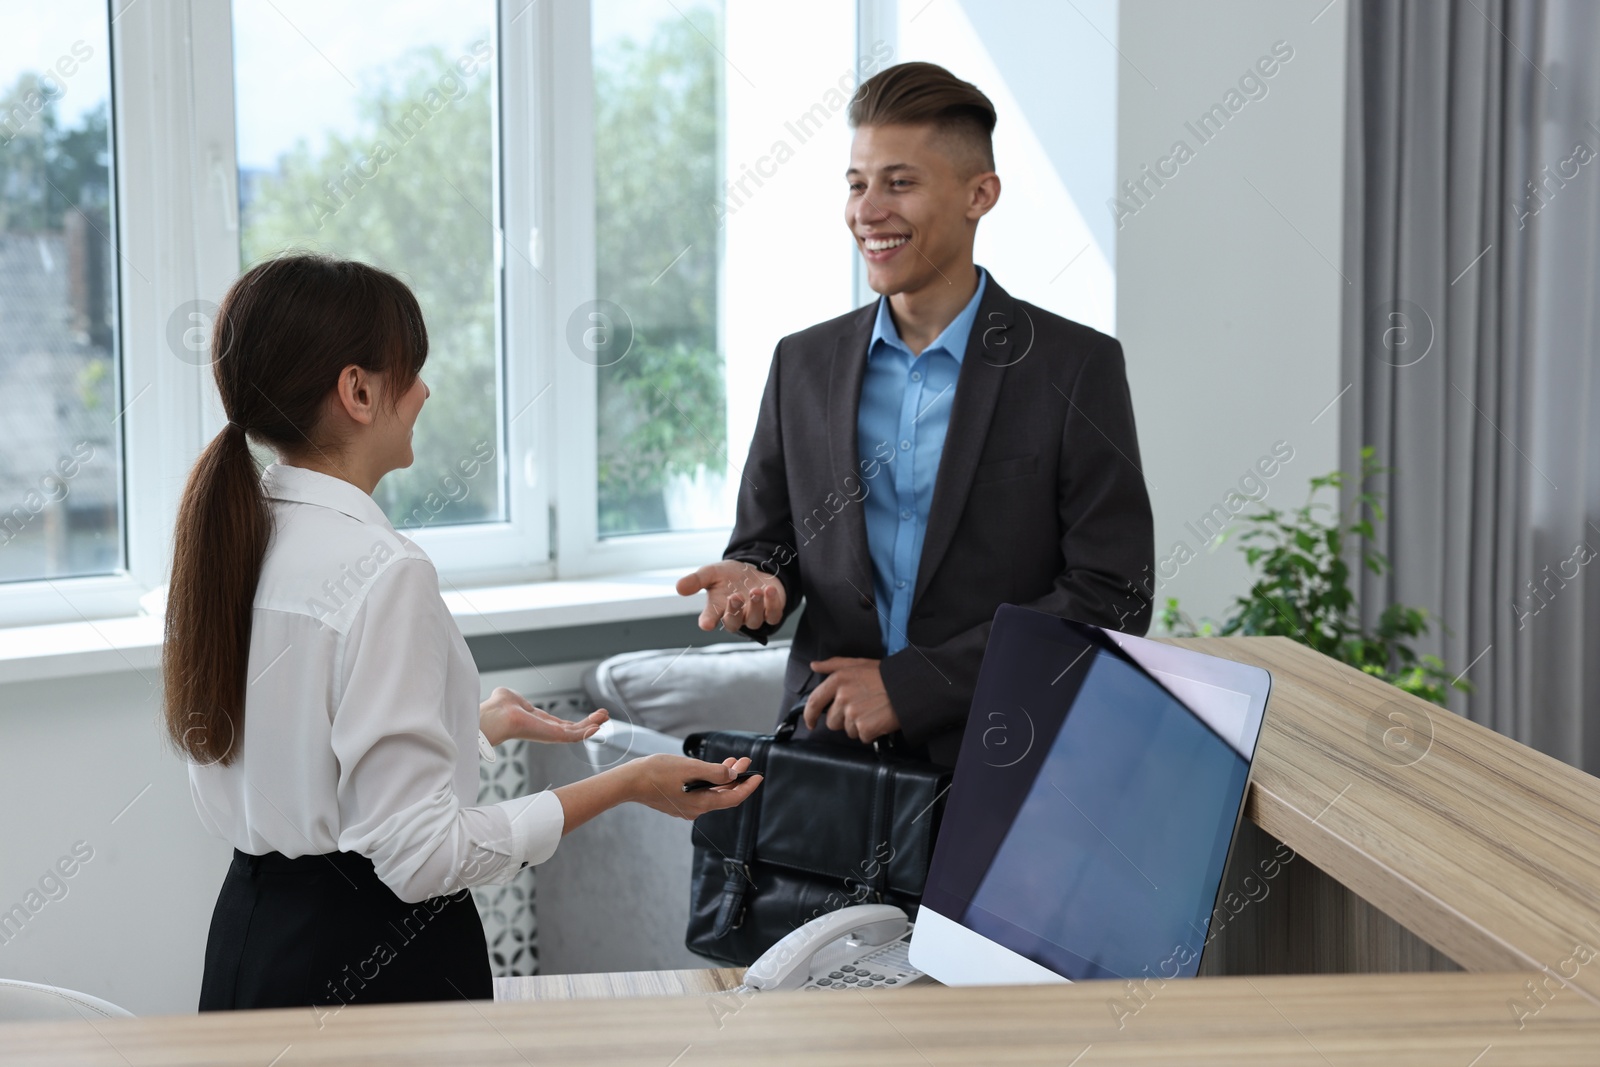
[658, 782]
[506, 716]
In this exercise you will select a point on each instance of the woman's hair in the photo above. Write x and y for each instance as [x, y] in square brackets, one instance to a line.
[284, 332]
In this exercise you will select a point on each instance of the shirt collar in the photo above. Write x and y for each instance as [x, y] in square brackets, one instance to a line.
[953, 339]
[283, 482]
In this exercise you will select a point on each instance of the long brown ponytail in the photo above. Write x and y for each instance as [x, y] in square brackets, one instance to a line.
[284, 332]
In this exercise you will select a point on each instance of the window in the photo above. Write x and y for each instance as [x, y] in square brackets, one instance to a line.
[718, 163]
[610, 211]
[61, 463]
[657, 145]
[374, 139]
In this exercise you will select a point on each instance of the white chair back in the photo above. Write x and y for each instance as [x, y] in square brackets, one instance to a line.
[31, 1002]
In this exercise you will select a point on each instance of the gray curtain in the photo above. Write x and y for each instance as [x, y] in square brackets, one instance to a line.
[1470, 341]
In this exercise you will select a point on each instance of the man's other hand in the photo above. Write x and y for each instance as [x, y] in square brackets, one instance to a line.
[738, 595]
[852, 698]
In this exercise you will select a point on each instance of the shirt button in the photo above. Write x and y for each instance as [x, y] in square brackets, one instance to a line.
[916, 376]
[906, 514]
[901, 584]
[905, 446]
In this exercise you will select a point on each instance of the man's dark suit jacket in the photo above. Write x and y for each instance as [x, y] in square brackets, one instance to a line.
[1039, 500]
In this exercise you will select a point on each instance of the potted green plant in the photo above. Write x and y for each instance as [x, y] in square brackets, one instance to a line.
[1302, 589]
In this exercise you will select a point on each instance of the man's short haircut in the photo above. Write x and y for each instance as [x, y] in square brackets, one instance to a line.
[925, 94]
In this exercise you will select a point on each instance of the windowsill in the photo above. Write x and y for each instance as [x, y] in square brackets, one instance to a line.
[109, 646]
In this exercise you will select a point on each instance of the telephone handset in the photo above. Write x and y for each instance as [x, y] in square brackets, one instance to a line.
[859, 947]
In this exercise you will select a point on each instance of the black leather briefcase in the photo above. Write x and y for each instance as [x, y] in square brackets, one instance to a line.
[832, 825]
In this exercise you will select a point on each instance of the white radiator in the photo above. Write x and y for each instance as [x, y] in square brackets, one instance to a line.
[510, 920]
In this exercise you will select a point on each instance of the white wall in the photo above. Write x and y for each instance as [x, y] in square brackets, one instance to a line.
[132, 926]
[1050, 71]
[1228, 283]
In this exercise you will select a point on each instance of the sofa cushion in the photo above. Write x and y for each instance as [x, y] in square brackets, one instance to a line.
[730, 686]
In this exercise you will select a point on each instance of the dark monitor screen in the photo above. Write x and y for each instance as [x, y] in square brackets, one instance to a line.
[1091, 812]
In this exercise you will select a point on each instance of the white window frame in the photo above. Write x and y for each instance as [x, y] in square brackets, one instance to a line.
[174, 161]
[175, 164]
[582, 552]
[180, 182]
[516, 549]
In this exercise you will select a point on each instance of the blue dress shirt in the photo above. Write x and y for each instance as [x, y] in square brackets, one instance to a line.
[900, 430]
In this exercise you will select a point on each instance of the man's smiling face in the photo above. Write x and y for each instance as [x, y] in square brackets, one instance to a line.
[913, 205]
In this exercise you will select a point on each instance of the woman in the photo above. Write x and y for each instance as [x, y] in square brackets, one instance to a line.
[319, 686]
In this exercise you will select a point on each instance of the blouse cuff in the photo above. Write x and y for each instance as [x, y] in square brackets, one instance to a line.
[536, 824]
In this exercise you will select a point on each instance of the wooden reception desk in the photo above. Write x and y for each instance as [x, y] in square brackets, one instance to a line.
[1421, 842]
[1434, 843]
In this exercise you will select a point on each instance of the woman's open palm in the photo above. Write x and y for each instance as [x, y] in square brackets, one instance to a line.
[507, 716]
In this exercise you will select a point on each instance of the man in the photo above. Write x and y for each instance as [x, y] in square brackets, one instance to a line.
[924, 459]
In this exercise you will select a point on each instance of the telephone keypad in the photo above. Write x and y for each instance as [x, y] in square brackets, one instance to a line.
[889, 965]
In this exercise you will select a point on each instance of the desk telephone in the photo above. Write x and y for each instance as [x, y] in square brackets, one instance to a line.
[859, 947]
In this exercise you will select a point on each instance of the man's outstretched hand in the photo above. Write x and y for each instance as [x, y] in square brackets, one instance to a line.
[738, 595]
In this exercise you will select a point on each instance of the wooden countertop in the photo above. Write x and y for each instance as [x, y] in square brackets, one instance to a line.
[1396, 1020]
[1483, 847]
[698, 982]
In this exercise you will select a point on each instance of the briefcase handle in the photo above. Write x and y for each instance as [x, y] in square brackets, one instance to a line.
[887, 745]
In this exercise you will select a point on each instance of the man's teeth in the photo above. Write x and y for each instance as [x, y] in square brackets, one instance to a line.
[883, 244]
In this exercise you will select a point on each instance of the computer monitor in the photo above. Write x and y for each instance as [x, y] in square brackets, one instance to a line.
[1092, 809]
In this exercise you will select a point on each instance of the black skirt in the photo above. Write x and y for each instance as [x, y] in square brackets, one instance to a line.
[325, 931]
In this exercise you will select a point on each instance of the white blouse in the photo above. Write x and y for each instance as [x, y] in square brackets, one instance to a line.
[361, 712]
